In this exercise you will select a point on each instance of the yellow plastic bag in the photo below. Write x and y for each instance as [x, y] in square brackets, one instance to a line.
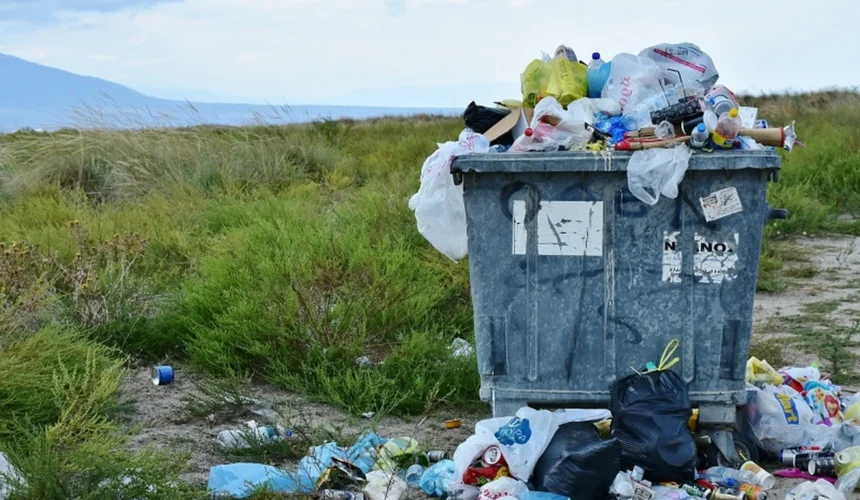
[760, 372]
[568, 80]
[387, 457]
[561, 78]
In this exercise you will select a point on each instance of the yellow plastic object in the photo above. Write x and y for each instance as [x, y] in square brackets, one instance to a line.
[394, 448]
[560, 78]
[510, 103]
[694, 420]
[604, 427]
[760, 372]
[847, 460]
[853, 412]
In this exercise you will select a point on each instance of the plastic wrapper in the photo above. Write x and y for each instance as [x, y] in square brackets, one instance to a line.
[650, 415]
[632, 79]
[592, 110]
[522, 440]
[760, 372]
[577, 463]
[683, 61]
[552, 128]
[391, 450]
[438, 204]
[622, 486]
[653, 172]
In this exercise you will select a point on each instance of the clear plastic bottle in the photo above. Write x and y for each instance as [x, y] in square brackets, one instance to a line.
[725, 476]
[598, 73]
[700, 137]
[728, 127]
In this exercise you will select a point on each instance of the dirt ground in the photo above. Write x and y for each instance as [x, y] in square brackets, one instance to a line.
[160, 413]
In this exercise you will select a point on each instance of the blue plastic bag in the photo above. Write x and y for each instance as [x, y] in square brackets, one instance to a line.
[240, 480]
[435, 480]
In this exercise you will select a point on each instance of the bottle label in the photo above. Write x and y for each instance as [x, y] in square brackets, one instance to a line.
[721, 141]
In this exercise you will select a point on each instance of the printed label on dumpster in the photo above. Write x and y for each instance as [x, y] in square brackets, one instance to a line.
[721, 204]
[565, 228]
[672, 258]
[715, 261]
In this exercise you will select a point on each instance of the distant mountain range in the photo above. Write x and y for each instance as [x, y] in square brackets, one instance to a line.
[41, 97]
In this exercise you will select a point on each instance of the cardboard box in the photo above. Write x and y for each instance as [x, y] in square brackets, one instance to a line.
[516, 122]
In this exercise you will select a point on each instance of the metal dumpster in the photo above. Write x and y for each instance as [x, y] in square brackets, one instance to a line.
[575, 282]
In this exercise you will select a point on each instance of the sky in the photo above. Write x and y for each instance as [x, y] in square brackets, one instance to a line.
[415, 52]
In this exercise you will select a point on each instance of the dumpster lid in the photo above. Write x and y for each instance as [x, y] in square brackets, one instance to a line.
[605, 161]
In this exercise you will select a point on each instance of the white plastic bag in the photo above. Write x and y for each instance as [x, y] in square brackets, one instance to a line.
[501, 488]
[695, 66]
[782, 419]
[632, 79]
[383, 485]
[584, 109]
[7, 473]
[567, 131]
[657, 171]
[522, 439]
[819, 490]
[438, 204]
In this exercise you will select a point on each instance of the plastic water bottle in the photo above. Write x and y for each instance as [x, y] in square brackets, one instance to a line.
[728, 127]
[700, 136]
[725, 476]
[598, 73]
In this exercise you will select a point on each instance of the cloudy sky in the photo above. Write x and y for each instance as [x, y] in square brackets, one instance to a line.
[415, 52]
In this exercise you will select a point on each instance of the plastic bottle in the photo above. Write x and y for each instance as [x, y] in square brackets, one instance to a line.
[700, 136]
[598, 73]
[762, 477]
[728, 127]
[725, 476]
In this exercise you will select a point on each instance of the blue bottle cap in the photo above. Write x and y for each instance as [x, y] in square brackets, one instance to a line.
[595, 56]
[701, 127]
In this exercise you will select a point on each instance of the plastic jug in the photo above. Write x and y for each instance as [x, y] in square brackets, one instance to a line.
[728, 127]
[598, 73]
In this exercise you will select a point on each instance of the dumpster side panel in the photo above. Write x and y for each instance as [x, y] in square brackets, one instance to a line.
[575, 282]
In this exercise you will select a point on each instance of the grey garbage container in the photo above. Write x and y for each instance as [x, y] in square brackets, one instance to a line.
[575, 282]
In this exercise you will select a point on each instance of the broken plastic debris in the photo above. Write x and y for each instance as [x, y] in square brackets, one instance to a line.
[461, 349]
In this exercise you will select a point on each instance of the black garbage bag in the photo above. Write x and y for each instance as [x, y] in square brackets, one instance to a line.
[481, 118]
[650, 413]
[577, 463]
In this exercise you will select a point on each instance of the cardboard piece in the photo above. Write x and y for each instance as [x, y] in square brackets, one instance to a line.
[516, 122]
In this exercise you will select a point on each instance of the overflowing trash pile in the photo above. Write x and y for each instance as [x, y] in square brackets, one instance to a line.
[661, 104]
[643, 448]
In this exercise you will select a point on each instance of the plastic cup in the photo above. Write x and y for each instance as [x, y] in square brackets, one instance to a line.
[762, 477]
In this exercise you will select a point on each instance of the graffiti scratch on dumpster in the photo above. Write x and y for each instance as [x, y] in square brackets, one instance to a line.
[564, 228]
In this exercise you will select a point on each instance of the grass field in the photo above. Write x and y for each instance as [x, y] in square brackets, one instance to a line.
[280, 254]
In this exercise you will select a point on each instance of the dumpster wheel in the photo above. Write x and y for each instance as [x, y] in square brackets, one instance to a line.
[745, 447]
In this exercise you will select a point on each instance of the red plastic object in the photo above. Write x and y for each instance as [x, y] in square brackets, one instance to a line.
[529, 132]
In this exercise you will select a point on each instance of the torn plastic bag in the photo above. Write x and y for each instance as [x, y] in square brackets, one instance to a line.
[657, 171]
[241, 479]
[819, 490]
[522, 440]
[438, 204]
[650, 413]
[577, 463]
[481, 118]
[693, 64]
[552, 128]
[632, 79]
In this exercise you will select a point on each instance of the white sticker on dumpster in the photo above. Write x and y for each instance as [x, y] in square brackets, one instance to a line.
[673, 260]
[564, 228]
[715, 261]
[721, 204]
